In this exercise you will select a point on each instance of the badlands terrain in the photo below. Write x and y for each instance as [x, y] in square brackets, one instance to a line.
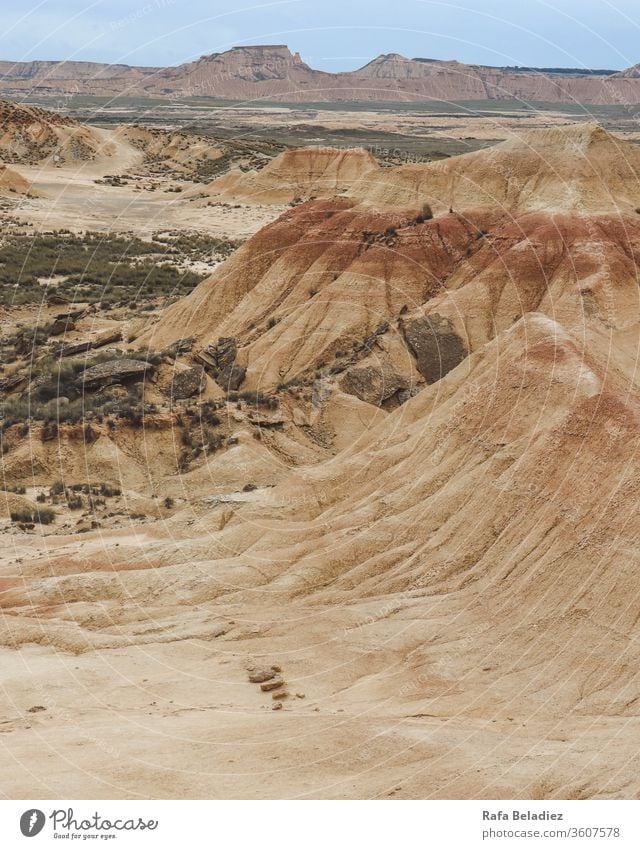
[274, 72]
[320, 465]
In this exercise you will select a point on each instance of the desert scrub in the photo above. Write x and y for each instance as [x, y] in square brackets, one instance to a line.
[57, 394]
[52, 413]
[96, 268]
[425, 214]
[258, 399]
[41, 515]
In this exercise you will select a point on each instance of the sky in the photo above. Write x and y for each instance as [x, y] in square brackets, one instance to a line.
[332, 35]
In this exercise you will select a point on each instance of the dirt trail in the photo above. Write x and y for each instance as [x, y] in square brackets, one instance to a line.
[72, 199]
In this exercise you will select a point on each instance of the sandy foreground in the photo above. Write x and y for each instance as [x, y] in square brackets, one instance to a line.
[181, 720]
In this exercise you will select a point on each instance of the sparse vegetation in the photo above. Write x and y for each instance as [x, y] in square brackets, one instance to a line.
[19, 490]
[97, 268]
[58, 397]
[41, 515]
[426, 214]
[258, 399]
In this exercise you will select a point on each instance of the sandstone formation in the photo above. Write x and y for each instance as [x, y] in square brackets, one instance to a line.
[114, 371]
[579, 167]
[447, 571]
[312, 289]
[221, 359]
[273, 71]
[187, 383]
[435, 344]
[30, 135]
[375, 383]
[297, 174]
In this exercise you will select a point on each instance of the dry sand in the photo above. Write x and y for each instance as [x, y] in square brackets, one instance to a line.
[72, 199]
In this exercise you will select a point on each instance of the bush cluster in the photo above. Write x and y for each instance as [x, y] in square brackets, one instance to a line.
[41, 515]
[100, 268]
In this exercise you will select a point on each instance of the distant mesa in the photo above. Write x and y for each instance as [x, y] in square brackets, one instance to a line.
[275, 72]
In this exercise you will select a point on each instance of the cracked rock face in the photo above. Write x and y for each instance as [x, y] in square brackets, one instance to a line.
[187, 383]
[229, 374]
[374, 384]
[435, 344]
[115, 371]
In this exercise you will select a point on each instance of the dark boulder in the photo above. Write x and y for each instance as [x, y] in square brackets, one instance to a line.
[374, 383]
[435, 344]
[187, 383]
[221, 362]
[114, 371]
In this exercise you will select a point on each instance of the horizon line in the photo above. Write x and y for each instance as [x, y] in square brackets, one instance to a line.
[528, 68]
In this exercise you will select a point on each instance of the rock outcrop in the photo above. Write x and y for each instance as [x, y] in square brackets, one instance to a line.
[375, 383]
[435, 344]
[187, 383]
[221, 361]
[114, 371]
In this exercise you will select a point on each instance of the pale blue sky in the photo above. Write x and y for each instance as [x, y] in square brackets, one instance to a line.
[330, 34]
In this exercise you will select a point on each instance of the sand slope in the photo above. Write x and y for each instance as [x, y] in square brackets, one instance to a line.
[296, 174]
[579, 167]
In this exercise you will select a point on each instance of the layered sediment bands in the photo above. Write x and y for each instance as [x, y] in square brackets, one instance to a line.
[296, 174]
[579, 167]
[326, 276]
[273, 71]
[432, 521]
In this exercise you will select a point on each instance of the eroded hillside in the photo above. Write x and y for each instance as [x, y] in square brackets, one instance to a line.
[389, 447]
